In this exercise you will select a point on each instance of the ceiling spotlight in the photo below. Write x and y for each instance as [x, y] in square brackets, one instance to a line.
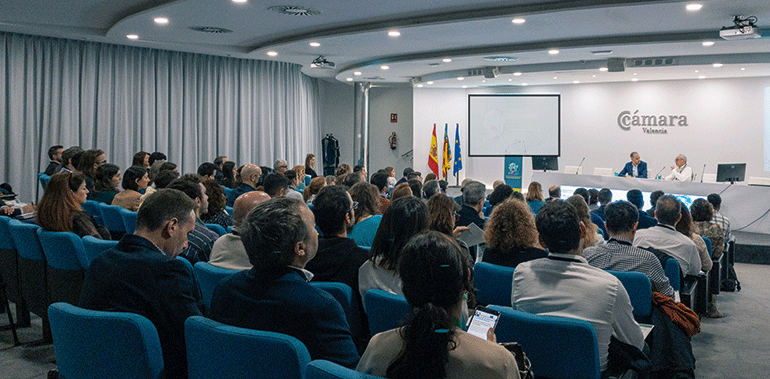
[394, 33]
[743, 68]
[694, 7]
[553, 51]
[430, 82]
[593, 76]
[132, 36]
[516, 74]
[161, 20]
[634, 79]
[634, 74]
[518, 20]
[460, 78]
[555, 77]
[446, 60]
[357, 73]
[697, 70]
[510, 80]
[708, 43]
[717, 65]
[576, 82]
[349, 79]
[524, 84]
[384, 67]
[419, 86]
[603, 69]
[701, 77]
[239, 1]
[315, 44]
[272, 53]
[322, 62]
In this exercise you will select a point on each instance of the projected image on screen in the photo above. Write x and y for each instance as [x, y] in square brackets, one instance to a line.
[502, 125]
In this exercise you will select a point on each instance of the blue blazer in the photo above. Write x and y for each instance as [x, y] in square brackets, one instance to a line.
[629, 170]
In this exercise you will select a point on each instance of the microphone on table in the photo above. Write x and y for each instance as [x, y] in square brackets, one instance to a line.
[658, 174]
[703, 172]
[580, 165]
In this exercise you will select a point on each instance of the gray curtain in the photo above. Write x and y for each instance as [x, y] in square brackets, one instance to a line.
[124, 99]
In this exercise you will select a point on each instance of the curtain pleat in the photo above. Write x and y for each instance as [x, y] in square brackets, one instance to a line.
[124, 99]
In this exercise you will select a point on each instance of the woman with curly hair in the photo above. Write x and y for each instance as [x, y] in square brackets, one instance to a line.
[60, 211]
[216, 213]
[368, 215]
[702, 214]
[511, 235]
[106, 183]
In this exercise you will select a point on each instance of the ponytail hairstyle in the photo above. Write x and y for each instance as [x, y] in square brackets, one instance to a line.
[403, 219]
[435, 274]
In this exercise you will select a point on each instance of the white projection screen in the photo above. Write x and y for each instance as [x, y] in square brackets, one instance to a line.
[514, 124]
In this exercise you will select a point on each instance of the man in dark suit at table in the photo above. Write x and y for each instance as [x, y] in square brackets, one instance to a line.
[140, 274]
[636, 168]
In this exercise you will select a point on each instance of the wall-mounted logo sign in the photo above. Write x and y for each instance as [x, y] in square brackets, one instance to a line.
[650, 124]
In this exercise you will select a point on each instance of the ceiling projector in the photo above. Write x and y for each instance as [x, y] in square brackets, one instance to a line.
[744, 28]
[321, 62]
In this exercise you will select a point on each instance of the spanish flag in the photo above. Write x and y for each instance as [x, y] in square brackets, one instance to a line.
[433, 156]
[447, 154]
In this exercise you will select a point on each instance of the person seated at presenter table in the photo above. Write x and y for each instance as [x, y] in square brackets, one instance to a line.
[636, 168]
[681, 171]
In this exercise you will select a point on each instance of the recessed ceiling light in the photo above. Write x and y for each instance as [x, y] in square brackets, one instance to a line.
[717, 65]
[315, 44]
[555, 77]
[394, 33]
[357, 73]
[460, 78]
[634, 79]
[510, 80]
[708, 43]
[516, 74]
[272, 53]
[465, 86]
[553, 51]
[132, 36]
[593, 76]
[161, 20]
[483, 81]
[602, 52]
[575, 81]
[743, 68]
[239, 1]
[697, 70]
[419, 85]
[384, 67]
[518, 20]
[349, 79]
[694, 7]
[701, 77]
[430, 82]
[634, 74]
[524, 84]
[446, 60]
[602, 69]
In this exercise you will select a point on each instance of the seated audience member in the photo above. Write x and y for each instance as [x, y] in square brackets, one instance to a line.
[280, 166]
[141, 159]
[391, 176]
[435, 277]
[404, 218]
[407, 171]
[535, 197]
[593, 236]
[702, 214]
[207, 171]
[511, 235]
[67, 162]
[593, 199]
[219, 175]
[154, 170]
[594, 218]
[637, 168]
[311, 191]
[368, 216]
[275, 295]
[564, 284]
[719, 219]
[330, 180]
[156, 157]
[680, 171]
[654, 196]
[140, 275]
[430, 188]
[361, 169]
[135, 179]
[343, 170]
[228, 174]
[399, 191]
[416, 186]
[168, 166]
[444, 185]
[276, 185]
[215, 213]
[310, 166]
[518, 196]
[501, 193]
[645, 221]
[55, 154]
[351, 179]
[164, 178]
[441, 216]
[554, 193]
[300, 170]
[619, 254]
[249, 177]
[473, 203]
[666, 238]
[106, 183]
[380, 180]
[59, 210]
[201, 239]
[605, 197]
[228, 251]
[414, 175]
[686, 227]
[89, 162]
[293, 179]
[430, 176]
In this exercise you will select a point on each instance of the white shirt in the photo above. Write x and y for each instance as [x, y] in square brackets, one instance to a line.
[677, 245]
[228, 252]
[371, 276]
[566, 285]
[682, 174]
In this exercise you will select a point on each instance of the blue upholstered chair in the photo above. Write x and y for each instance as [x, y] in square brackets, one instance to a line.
[493, 283]
[9, 272]
[112, 218]
[344, 295]
[96, 344]
[323, 369]
[66, 260]
[385, 310]
[43, 178]
[673, 273]
[92, 207]
[229, 210]
[216, 350]
[227, 193]
[639, 289]
[129, 220]
[230, 229]
[216, 228]
[208, 276]
[558, 347]
[95, 246]
[33, 276]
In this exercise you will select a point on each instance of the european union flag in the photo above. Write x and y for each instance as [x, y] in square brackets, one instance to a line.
[458, 158]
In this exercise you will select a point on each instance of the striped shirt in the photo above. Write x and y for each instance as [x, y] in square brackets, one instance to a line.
[619, 255]
[199, 243]
[723, 223]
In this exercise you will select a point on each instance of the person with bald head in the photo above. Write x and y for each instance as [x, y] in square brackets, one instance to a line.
[228, 251]
[250, 177]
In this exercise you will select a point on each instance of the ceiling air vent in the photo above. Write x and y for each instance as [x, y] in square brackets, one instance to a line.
[499, 59]
[210, 29]
[294, 10]
[650, 62]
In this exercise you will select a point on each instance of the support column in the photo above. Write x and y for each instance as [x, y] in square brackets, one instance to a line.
[361, 124]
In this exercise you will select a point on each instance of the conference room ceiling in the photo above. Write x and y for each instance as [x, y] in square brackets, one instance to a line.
[354, 35]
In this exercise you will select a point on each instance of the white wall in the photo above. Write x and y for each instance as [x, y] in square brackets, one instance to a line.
[336, 117]
[725, 117]
[383, 102]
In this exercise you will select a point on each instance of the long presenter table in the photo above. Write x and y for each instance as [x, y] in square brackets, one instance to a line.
[747, 207]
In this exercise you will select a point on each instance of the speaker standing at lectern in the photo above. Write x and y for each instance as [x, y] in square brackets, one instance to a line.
[636, 168]
[681, 171]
